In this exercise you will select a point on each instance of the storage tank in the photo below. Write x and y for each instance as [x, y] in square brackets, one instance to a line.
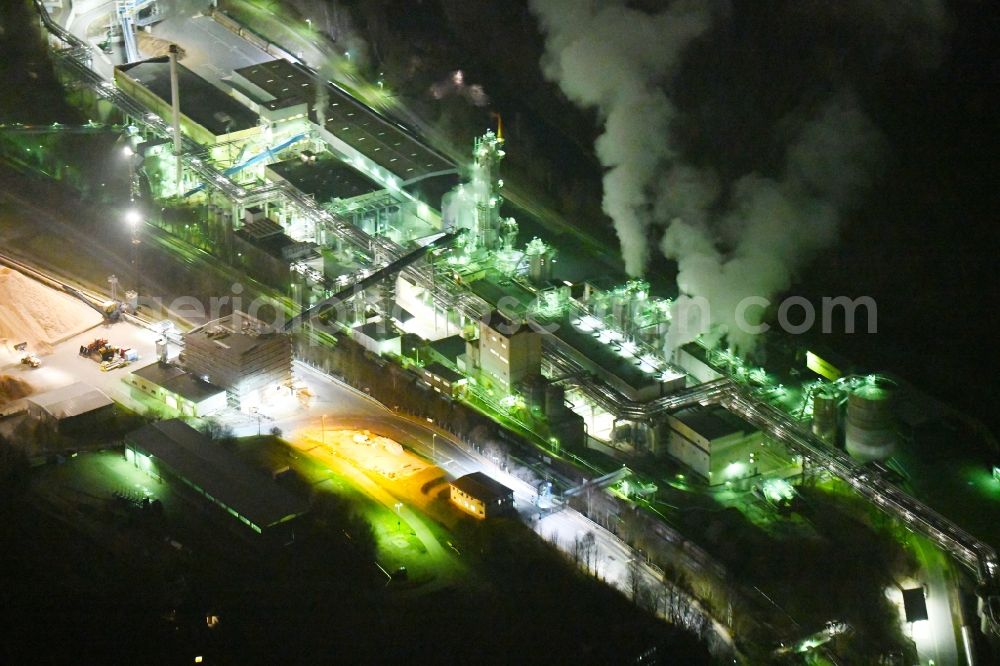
[540, 258]
[825, 410]
[555, 400]
[161, 350]
[870, 433]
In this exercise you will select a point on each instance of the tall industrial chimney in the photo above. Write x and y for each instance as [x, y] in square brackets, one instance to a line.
[175, 102]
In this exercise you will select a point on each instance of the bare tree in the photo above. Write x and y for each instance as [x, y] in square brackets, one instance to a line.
[589, 545]
[633, 579]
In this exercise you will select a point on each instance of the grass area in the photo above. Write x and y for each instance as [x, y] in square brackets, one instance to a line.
[397, 544]
[91, 583]
[954, 476]
[827, 559]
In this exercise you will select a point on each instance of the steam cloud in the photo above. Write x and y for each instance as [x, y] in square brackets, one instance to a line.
[733, 240]
[455, 85]
[772, 225]
[616, 59]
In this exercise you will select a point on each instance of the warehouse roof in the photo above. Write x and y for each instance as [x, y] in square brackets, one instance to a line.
[444, 372]
[69, 401]
[208, 466]
[625, 368]
[714, 422]
[326, 179]
[482, 487]
[450, 348]
[178, 381]
[238, 332]
[200, 101]
[380, 140]
[378, 331]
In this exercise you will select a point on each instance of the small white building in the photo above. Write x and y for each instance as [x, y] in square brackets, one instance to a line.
[177, 389]
[378, 337]
[714, 443]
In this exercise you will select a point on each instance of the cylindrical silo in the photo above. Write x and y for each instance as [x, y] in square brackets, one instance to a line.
[161, 350]
[825, 415]
[870, 433]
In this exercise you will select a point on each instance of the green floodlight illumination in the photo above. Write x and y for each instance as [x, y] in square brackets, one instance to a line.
[735, 469]
[778, 490]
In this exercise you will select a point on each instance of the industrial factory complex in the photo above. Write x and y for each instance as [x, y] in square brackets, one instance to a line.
[375, 236]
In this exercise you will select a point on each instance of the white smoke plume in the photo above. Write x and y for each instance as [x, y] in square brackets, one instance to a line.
[607, 56]
[771, 226]
[750, 236]
[455, 85]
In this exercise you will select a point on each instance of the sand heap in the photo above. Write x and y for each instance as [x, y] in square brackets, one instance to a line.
[154, 47]
[37, 314]
[12, 388]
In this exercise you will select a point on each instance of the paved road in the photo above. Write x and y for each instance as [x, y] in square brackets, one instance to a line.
[210, 50]
[936, 640]
[348, 407]
[414, 521]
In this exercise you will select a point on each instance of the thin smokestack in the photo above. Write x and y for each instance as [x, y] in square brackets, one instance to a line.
[175, 103]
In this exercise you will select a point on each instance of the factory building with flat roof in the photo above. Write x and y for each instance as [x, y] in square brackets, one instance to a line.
[349, 126]
[509, 352]
[714, 443]
[179, 390]
[480, 496]
[249, 359]
[208, 115]
[172, 449]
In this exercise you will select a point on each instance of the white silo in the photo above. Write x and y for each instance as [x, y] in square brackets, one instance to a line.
[870, 433]
[826, 413]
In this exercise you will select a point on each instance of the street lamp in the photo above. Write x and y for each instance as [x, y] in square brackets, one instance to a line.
[133, 185]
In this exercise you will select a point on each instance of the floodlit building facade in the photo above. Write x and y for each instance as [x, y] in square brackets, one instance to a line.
[481, 497]
[177, 389]
[509, 352]
[249, 359]
[715, 444]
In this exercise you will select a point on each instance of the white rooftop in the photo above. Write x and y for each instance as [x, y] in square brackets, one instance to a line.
[70, 401]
